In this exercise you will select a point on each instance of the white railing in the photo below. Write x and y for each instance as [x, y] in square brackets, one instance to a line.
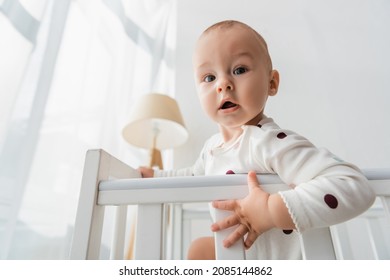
[109, 182]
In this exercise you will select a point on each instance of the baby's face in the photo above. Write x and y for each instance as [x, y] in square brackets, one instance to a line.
[232, 75]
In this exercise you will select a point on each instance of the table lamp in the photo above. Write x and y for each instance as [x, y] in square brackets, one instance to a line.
[155, 123]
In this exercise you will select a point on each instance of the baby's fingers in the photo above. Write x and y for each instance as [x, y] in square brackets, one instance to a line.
[225, 204]
[225, 223]
[250, 239]
[236, 235]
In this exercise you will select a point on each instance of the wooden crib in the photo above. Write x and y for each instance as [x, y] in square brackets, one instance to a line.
[109, 182]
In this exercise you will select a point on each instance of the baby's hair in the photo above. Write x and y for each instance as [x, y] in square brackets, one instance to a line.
[231, 23]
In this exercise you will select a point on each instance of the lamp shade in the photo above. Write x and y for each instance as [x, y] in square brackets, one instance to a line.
[155, 117]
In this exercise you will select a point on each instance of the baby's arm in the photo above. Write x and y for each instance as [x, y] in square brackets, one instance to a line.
[324, 189]
[195, 170]
[247, 211]
[148, 172]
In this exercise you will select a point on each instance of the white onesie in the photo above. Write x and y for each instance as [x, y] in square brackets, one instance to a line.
[324, 189]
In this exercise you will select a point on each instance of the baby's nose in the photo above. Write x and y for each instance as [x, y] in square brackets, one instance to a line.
[224, 85]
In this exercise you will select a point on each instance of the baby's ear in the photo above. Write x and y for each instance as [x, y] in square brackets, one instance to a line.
[273, 83]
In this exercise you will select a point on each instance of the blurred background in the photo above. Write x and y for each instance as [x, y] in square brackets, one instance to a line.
[70, 71]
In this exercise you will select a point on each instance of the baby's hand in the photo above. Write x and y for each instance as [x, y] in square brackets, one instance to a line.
[250, 213]
[146, 172]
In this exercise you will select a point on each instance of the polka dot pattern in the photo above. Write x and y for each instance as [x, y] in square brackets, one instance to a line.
[331, 201]
[281, 135]
[230, 172]
[287, 231]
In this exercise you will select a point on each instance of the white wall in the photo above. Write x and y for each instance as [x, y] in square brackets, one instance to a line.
[334, 63]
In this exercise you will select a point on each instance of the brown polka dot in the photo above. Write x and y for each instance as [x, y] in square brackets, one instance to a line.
[331, 201]
[287, 231]
[281, 135]
[230, 172]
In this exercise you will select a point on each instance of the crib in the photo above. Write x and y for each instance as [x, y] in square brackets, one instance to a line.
[108, 182]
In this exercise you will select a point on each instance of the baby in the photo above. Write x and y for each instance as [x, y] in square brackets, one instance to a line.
[234, 78]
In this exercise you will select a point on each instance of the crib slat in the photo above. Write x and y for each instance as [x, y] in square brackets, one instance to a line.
[177, 228]
[386, 205]
[118, 240]
[235, 252]
[148, 245]
[317, 244]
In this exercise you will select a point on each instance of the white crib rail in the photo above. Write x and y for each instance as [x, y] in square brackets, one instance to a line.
[99, 190]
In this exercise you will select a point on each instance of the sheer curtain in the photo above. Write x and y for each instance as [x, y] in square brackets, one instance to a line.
[70, 72]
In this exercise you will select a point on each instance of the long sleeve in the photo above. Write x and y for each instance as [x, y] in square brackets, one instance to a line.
[196, 170]
[187, 171]
[324, 189]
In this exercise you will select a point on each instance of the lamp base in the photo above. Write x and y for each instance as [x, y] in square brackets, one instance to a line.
[155, 158]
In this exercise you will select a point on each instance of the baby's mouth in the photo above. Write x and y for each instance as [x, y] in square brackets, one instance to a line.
[227, 105]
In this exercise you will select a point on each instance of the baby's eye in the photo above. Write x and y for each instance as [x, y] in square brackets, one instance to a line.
[239, 70]
[209, 78]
